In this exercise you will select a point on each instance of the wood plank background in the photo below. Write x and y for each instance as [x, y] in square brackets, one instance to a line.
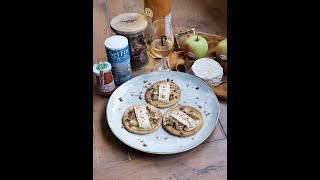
[114, 160]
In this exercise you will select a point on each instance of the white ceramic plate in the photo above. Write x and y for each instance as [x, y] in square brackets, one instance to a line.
[194, 92]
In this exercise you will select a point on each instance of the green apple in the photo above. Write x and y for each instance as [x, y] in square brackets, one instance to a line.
[195, 47]
[221, 50]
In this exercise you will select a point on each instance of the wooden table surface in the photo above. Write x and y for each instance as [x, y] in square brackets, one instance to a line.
[112, 159]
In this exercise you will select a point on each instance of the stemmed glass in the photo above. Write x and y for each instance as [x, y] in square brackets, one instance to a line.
[162, 43]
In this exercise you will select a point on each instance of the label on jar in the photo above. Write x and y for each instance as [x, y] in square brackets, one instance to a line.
[101, 65]
[168, 25]
[149, 14]
[120, 79]
[106, 82]
[118, 58]
[107, 87]
[122, 70]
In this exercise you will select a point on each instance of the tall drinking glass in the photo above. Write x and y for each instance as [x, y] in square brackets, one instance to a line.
[162, 44]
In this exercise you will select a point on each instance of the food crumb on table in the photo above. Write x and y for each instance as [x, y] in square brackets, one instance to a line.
[197, 88]
[145, 81]
[165, 138]
[145, 145]
[168, 79]
[140, 97]
[157, 137]
[120, 99]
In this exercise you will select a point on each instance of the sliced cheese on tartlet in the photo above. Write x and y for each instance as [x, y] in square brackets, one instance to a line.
[142, 117]
[164, 92]
[184, 119]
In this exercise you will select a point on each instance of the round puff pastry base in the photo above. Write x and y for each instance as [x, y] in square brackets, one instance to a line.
[160, 104]
[137, 130]
[182, 133]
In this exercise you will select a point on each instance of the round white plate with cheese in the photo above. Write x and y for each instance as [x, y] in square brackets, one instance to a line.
[194, 92]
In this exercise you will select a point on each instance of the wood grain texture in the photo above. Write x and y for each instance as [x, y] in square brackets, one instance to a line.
[223, 115]
[106, 147]
[114, 160]
[100, 29]
[208, 161]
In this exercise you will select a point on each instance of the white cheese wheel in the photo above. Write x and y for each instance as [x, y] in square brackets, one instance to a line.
[208, 69]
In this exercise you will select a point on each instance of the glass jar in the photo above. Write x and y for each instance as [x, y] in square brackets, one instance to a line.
[132, 26]
[104, 79]
[138, 52]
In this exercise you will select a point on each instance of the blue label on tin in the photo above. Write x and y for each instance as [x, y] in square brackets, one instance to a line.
[118, 58]
[120, 79]
[122, 70]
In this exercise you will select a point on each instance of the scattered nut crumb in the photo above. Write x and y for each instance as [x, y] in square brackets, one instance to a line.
[131, 94]
[171, 80]
[141, 141]
[145, 81]
[197, 98]
[205, 102]
[187, 85]
[145, 86]
[157, 137]
[165, 138]
[197, 88]
[119, 109]
[204, 112]
[149, 83]
[120, 99]
[145, 145]
[200, 107]
[141, 92]
[140, 97]
[168, 79]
